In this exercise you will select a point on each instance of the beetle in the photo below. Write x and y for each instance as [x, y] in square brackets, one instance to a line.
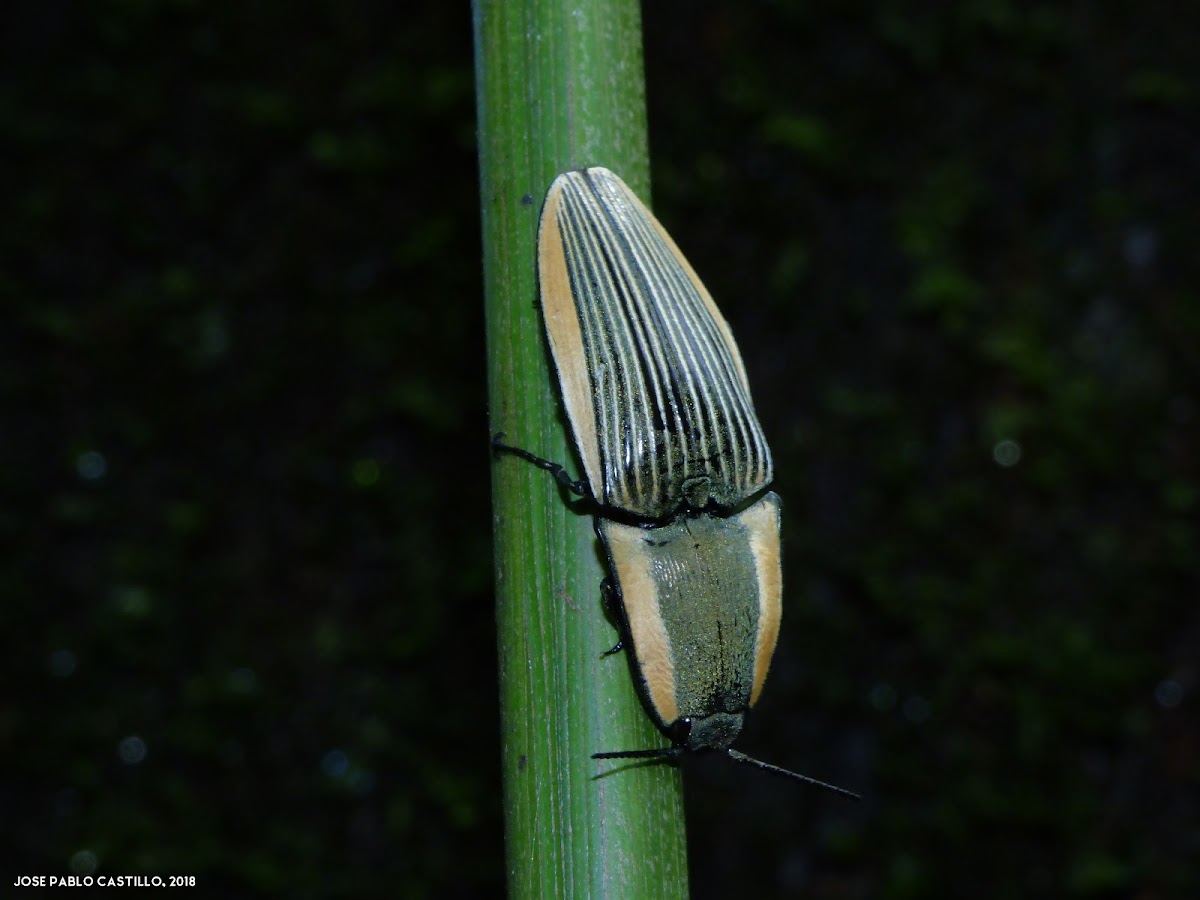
[674, 458]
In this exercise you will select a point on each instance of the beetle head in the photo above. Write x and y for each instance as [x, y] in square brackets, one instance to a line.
[716, 731]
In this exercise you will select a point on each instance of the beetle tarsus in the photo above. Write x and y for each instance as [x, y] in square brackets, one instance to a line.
[612, 606]
[496, 444]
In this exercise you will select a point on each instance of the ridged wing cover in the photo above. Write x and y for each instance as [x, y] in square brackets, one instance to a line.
[651, 378]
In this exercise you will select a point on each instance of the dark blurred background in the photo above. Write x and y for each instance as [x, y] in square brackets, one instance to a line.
[246, 590]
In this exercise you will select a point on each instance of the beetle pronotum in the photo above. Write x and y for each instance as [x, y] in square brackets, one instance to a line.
[674, 460]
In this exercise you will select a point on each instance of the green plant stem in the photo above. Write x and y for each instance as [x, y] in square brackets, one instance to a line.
[560, 86]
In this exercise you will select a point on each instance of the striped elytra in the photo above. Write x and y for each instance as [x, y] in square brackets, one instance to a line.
[653, 383]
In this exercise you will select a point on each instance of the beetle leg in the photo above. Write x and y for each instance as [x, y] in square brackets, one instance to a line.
[612, 605]
[579, 487]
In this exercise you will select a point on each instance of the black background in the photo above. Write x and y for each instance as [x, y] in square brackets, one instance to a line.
[246, 591]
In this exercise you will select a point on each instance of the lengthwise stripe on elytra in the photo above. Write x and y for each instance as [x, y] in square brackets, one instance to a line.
[669, 390]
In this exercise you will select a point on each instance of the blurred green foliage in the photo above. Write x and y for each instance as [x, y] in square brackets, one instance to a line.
[955, 246]
[244, 449]
[246, 588]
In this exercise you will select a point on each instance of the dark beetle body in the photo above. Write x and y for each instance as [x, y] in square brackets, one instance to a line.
[674, 458]
[658, 400]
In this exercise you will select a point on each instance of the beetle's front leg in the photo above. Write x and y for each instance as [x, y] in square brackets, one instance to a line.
[559, 472]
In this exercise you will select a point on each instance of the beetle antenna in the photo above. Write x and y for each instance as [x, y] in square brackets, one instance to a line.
[656, 753]
[743, 758]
